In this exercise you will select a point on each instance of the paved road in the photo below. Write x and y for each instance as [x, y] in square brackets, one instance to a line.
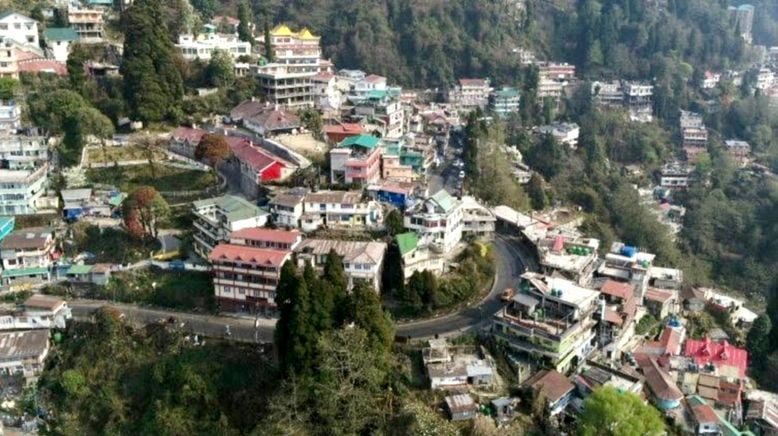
[241, 329]
[509, 267]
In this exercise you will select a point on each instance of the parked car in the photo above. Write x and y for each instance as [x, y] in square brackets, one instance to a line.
[462, 174]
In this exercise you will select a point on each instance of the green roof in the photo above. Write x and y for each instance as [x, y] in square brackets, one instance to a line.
[117, 199]
[60, 34]
[79, 270]
[366, 141]
[507, 92]
[24, 272]
[407, 242]
[234, 208]
[377, 94]
[444, 200]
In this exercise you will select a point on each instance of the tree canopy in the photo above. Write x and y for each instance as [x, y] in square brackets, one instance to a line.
[608, 412]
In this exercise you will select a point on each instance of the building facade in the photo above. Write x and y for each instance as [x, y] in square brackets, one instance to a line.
[438, 221]
[216, 218]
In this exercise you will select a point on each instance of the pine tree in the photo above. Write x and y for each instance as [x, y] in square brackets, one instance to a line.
[364, 310]
[758, 341]
[536, 193]
[153, 86]
[337, 282]
[244, 27]
[392, 278]
[269, 55]
[295, 339]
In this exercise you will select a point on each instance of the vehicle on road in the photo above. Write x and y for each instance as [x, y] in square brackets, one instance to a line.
[462, 174]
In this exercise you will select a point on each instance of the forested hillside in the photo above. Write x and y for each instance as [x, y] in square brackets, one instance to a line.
[430, 43]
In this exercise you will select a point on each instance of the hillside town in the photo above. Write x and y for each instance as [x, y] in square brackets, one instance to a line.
[205, 223]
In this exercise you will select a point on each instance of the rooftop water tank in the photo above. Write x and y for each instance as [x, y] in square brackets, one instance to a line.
[628, 251]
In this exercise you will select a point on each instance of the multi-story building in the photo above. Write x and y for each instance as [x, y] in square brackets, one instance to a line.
[477, 220]
[357, 160]
[560, 72]
[58, 41]
[437, 221]
[607, 94]
[340, 209]
[203, 46]
[27, 254]
[216, 218]
[550, 318]
[470, 94]
[21, 150]
[710, 80]
[9, 65]
[737, 149]
[287, 81]
[742, 18]
[287, 208]
[20, 189]
[10, 115]
[574, 258]
[23, 352]
[327, 95]
[765, 78]
[505, 101]
[675, 175]
[694, 136]
[417, 259]
[368, 84]
[244, 277]
[627, 264]
[548, 88]
[17, 27]
[361, 260]
[88, 24]
[564, 133]
[270, 239]
[639, 100]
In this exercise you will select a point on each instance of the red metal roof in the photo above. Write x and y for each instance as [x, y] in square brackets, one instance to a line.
[703, 413]
[373, 78]
[659, 382]
[43, 66]
[617, 289]
[551, 384]
[721, 353]
[347, 128]
[253, 156]
[613, 317]
[269, 235]
[658, 295]
[188, 134]
[259, 256]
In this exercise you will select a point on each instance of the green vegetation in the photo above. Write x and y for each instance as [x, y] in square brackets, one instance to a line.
[180, 290]
[153, 87]
[608, 412]
[646, 324]
[162, 177]
[109, 155]
[108, 245]
[109, 378]
[426, 293]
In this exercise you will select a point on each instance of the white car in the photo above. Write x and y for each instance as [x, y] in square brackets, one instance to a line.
[461, 174]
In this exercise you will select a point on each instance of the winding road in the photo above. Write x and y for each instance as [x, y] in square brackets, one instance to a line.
[509, 256]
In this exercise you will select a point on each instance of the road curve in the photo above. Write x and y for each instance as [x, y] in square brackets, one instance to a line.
[509, 267]
[510, 264]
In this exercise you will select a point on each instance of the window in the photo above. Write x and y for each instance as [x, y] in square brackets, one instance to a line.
[241, 291]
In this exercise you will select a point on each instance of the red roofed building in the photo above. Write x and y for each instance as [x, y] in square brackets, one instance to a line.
[338, 132]
[725, 357]
[660, 302]
[184, 140]
[266, 238]
[43, 66]
[245, 278]
[258, 165]
[669, 343]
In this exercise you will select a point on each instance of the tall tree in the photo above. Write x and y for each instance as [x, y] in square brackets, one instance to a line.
[758, 340]
[152, 82]
[392, 278]
[364, 310]
[212, 149]
[295, 337]
[394, 222]
[537, 194]
[220, 71]
[244, 27]
[144, 210]
[608, 412]
[269, 55]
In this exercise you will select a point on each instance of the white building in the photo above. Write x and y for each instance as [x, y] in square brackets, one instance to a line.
[216, 218]
[23, 150]
[9, 65]
[361, 260]
[23, 30]
[88, 24]
[564, 133]
[764, 79]
[27, 248]
[477, 220]
[287, 81]
[675, 175]
[437, 221]
[470, 94]
[287, 208]
[340, 209]
[203, 46]
[20, 189]
[10, 115]
[327, 94]
[58, 41]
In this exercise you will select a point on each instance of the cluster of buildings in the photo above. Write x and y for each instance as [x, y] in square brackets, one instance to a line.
[577, 317]
[636, 98]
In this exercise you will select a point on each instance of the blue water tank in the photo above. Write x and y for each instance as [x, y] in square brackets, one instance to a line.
[674, 323]
[628, 251]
